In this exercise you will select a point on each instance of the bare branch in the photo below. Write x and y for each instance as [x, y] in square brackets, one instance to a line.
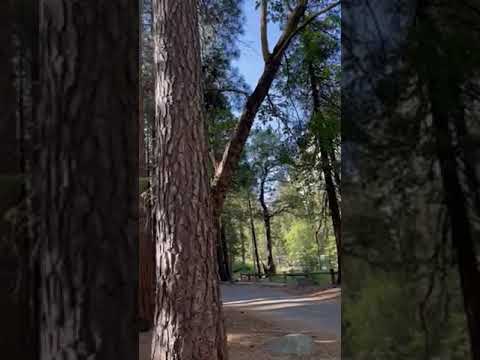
[263, 30]
[233, 90]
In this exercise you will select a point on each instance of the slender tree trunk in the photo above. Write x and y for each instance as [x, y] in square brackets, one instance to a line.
[268, 235]
[268, 229]
[243, 247]
[86, 179]
[328, 176]
[254, 238]
[319, 247]
[463, 241]
[188, 316]
[222, 251]
[335, 169]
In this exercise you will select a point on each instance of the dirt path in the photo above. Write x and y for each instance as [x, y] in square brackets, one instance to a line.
[248, 334]
[318, 312]
[256, 313]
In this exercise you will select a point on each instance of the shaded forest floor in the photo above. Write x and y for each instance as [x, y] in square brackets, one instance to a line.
[247, 335]
[248, 330]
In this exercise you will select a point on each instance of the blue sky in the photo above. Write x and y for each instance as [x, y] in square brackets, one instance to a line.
[250, 62]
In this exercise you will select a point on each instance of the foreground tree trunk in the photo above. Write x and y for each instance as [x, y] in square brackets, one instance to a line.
[328, 175]
[188, 316]
[86, 179]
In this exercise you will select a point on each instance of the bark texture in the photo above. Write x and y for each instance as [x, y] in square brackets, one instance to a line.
[188, 317]
[86, 179]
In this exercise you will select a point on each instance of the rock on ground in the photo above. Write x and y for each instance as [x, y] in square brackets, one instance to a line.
[295, 344]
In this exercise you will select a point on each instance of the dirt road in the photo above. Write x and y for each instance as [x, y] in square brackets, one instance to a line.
[318, 313]
[256, 313]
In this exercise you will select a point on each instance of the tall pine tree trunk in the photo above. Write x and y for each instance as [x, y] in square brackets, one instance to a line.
[226, 253]
[243, 248]
[86, 179]
[188, 316]
[271, 269]
[328, 175]
[254, 238]
[222, 250]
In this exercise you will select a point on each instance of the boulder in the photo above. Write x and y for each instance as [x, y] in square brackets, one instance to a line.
[294, 344]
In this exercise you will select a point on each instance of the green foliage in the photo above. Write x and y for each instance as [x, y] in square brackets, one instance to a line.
[300, 244]
[243, 268]
[382, 301]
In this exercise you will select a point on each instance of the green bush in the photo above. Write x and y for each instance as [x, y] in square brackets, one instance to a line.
[379, 320]
[243, 268]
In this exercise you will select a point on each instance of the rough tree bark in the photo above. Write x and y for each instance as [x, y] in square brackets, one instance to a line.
[85, 179]
[328, 176]
[188, 316]
[271, 269]
[254, 238]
